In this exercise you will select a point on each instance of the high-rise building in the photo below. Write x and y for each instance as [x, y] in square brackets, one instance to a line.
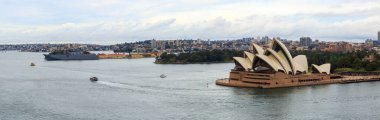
[153, 43]
[378, 35]
[305, 41]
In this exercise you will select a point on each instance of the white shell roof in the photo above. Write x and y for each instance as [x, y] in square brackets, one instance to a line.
[278, 58]
[322, 68]
[257, 49]
[249, 55]
[281, 60]
[271, 62]
[244, 62]
[300, 61]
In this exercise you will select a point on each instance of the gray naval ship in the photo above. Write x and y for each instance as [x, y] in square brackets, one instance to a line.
[70, 55]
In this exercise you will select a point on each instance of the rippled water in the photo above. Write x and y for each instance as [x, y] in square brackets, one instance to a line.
[132, 89]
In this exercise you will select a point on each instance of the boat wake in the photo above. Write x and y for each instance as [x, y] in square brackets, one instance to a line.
[154, 89]
[112, 84]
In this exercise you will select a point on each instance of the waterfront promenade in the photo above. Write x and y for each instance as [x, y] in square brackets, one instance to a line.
[341, 80]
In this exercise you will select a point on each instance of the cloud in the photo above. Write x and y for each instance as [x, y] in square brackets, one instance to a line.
[115, 21]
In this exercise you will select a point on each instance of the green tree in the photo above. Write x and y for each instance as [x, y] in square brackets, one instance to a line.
[371, 66]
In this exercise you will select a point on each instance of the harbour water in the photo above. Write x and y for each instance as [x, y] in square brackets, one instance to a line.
[132, 89]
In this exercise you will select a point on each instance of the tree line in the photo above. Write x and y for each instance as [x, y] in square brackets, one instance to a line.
[341, 61]
[205, 56]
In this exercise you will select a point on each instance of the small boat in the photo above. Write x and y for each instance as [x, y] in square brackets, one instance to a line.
[93, 79]
[32, 64]
[162, 76]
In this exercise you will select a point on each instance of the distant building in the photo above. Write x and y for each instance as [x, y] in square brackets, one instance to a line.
[265, 40]
[376, 43]
[369, 42]
[153, 43]
[316, 41]
[305, 41]
[378, 35]
[340, 47]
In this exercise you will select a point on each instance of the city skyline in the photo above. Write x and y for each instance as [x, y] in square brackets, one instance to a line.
[116, 21]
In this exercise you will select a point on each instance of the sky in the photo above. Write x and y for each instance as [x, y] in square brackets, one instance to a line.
[117, 21]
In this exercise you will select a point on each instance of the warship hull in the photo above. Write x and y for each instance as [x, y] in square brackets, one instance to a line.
[71, 57]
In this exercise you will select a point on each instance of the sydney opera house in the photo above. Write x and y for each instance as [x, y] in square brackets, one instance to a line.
[274, 67]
